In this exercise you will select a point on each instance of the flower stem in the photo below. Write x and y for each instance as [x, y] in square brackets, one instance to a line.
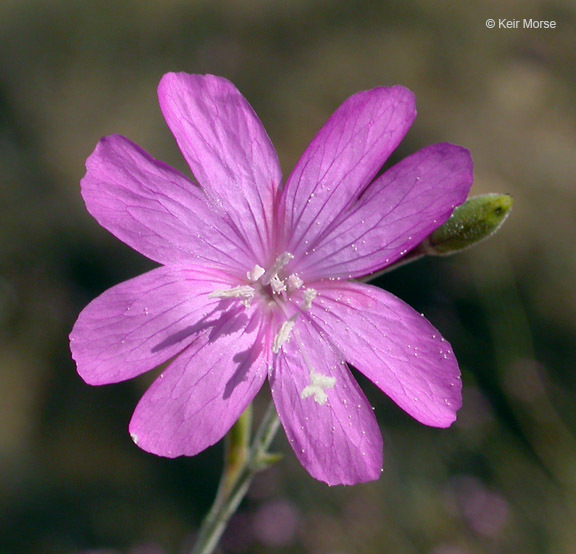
[241, 463]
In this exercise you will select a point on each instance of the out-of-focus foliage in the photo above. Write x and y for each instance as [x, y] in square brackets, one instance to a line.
[503, 479]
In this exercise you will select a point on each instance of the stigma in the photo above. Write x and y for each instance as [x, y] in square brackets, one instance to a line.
[317, 388]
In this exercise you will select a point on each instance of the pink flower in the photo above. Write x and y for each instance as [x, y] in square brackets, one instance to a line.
[258, 277]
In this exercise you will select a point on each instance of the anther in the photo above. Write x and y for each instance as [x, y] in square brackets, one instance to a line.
[309, 295]
[294, 282]
[243, 291]
[254, 274]
[281, 261]
[283, 334]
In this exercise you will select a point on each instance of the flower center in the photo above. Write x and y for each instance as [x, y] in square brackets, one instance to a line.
[273, 286]
[275, 289]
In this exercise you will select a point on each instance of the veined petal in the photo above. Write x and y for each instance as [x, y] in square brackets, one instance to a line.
[397, 212]
[341, 161]
[156, 210]
[227, 150]
[139, 324]
[328, 420]
[394, 346]
[203, 392]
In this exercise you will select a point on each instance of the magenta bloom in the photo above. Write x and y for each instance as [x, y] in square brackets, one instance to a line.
[258, 277]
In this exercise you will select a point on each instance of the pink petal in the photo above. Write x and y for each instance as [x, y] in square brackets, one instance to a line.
[136, 325]
[394, 346]
[156, 210]
[342, 160]
[227, 149]
[338, 442]
[193, 404]
[397, 212]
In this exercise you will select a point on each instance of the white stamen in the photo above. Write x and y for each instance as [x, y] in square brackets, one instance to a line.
[242, 291]
[277, 285]
[317, 386]
[294, 282]
[255, 274]
[280, 262]
[283, 334]
[309, 295]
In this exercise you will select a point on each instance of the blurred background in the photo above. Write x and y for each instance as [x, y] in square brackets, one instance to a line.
[502, 479]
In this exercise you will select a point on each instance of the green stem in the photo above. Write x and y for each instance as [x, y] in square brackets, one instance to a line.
[240, 465]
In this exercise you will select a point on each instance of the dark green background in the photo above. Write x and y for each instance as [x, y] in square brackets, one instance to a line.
[502, 479]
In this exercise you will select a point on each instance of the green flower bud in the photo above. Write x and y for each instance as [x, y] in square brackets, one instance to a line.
[475, 220]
